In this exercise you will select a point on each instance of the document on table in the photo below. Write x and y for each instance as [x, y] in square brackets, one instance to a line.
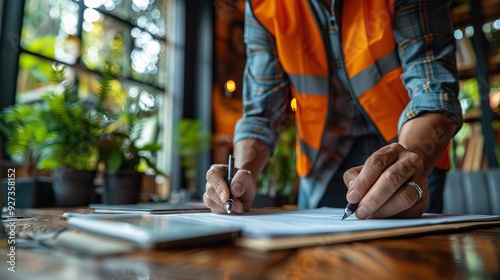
[298, 228]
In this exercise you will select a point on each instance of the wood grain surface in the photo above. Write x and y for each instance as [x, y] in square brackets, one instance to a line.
[467, 254]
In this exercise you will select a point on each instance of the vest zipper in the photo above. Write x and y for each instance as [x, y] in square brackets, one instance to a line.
[329, 58]
[326, 43]
[351, 91]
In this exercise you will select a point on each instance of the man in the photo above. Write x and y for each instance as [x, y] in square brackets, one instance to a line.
[376, 88]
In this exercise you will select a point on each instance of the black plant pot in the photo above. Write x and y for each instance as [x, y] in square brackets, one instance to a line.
[28, 192]
[261, 201]
[72, 187]
[122, 187]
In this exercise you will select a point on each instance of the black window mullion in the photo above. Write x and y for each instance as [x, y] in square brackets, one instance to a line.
[12, 21]
[82, 67]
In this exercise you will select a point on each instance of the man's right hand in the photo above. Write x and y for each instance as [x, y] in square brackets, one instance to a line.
[243, 188]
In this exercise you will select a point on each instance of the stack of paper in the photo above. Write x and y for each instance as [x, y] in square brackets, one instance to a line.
[265, 231]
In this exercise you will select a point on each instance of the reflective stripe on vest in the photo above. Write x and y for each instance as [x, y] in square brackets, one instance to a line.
[371, 60]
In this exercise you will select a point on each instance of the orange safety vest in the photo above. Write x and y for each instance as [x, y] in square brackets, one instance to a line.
[370, 57]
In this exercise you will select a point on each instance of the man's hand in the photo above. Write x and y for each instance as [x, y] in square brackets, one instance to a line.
[217, 191]
[250, 157]
[380, 186]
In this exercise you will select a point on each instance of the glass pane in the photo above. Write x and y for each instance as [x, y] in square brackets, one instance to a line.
[142, 100]
[147, 14]
[124, 96]
[49, 29]
[130, 98]
[145, 103]
[148, 58]
[105, 40]
[35, 78]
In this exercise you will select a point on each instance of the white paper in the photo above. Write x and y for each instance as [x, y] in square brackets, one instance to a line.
[260, 223]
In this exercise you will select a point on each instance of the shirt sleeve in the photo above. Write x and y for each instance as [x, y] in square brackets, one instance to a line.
[424, 33]
[265, 86]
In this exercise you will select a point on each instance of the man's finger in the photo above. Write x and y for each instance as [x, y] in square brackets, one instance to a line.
[212, 193]
[374, 166]
[242, 180]
[215, 177]
[209, 198]
[351, 174]
[387, 184]
[405, 203]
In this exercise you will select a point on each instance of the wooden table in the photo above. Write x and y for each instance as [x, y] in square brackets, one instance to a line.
[473, 254]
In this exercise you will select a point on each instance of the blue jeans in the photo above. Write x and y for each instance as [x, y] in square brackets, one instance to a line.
[362, 148]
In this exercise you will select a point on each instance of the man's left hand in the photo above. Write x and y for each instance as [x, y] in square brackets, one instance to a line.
[382, 188]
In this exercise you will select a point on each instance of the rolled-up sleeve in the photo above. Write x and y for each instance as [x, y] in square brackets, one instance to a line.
[426, 45]
[265, 86]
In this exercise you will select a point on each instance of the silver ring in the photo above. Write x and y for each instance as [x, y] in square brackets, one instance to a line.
[417, 187]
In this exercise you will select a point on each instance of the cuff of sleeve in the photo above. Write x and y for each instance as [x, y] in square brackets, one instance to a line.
[256, 129]
[433, 102]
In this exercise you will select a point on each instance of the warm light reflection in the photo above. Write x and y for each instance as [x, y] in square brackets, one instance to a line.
[230, 86]
[293, 104]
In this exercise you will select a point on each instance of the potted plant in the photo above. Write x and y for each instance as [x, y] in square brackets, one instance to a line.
[64, 130]
[191, 141]
[277, 183]
[24, 132]
[124, 159]
[71, 152]
[124, 163]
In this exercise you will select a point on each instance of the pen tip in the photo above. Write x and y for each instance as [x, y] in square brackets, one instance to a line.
[343, 217]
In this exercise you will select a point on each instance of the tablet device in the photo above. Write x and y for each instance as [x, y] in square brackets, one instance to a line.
[150, 208]
[155, 232]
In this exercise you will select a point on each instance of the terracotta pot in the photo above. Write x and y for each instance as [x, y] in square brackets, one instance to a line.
[122, 187]
[72, 187]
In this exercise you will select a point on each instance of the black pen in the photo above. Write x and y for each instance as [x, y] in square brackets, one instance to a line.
[230, 171]
[349, 210]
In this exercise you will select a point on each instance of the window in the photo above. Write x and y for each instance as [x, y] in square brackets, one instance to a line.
[85, 35]
[160, 51]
